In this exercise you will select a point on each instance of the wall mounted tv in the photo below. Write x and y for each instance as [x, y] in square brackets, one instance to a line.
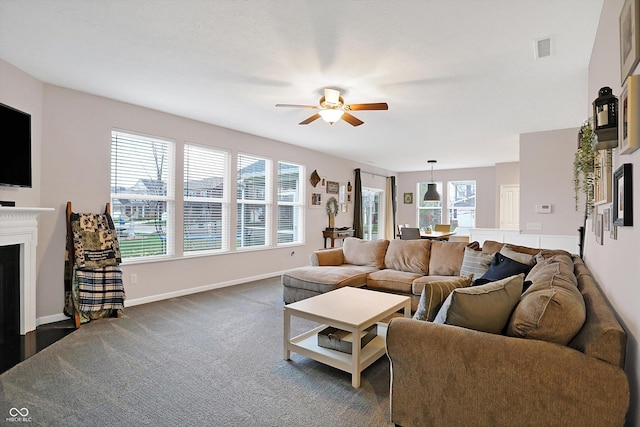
[15, 161]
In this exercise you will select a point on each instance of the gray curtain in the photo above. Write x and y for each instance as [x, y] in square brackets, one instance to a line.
[357, 206]
[390, 208]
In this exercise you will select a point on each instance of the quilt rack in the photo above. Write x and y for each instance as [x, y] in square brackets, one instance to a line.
[93, 277]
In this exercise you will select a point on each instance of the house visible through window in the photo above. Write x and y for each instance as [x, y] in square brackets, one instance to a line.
[253, 226]
[430, 212]
[290, 203]
[142, 194]
[462, 203]
[206, 199]
[372, 214]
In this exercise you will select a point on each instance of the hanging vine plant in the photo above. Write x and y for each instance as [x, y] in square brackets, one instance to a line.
[584, 169]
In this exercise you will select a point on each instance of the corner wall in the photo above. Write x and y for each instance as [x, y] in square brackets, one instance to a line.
[616, 263]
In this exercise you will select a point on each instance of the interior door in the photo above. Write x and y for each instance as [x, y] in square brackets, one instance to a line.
[510, 207]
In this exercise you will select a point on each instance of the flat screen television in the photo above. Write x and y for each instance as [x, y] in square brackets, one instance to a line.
[15, 157]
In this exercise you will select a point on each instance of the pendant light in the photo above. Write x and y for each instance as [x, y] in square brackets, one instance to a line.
[432, 194]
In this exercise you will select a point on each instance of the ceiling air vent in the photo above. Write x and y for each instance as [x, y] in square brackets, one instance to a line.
[543, 47]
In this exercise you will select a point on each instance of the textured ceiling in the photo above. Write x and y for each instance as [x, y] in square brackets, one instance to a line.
[460, 76]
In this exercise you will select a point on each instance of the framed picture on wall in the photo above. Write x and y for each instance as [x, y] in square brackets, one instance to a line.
[629, 35]
[602, 177]
[333, 187]
[408, 198]
[629, 112]
[622, 196]
[599, 220]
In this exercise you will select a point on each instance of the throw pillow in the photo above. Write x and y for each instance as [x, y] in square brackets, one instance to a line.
[475, 262]
[518, 256]
[500, 268]
[485, 308]
[434, 293]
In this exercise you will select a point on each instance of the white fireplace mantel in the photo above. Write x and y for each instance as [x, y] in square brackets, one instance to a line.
[19, 226]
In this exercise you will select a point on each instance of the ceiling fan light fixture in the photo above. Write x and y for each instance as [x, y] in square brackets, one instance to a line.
[331, 115]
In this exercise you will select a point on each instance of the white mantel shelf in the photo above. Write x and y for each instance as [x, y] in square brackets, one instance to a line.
[19, 226]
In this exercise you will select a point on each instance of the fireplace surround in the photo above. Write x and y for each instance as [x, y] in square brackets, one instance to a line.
[19, 226]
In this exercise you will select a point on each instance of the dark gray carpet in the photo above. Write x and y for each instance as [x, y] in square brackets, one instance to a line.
[213, 358]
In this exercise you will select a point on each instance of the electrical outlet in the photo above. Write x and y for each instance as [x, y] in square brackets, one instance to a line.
[534, 226]
[134, 279]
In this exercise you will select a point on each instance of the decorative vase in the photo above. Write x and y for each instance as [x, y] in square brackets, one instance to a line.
[332, 220]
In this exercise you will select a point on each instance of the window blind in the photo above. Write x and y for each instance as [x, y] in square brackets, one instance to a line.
[253, 201]
[142, 194]
[206, 199]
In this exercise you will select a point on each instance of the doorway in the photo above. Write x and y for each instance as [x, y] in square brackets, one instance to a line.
[510, 207]
[372, 213]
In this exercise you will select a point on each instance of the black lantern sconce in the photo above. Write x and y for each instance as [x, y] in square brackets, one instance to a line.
[605, 119]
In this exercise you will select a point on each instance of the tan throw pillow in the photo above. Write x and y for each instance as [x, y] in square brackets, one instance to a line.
[475, 262]
[364, 252]
[552, 309]
[434, 293]
[408, 255]
[520, 257]
[446, 258]
[484, 308]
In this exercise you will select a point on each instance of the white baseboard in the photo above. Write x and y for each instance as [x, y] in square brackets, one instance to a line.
[182, 292]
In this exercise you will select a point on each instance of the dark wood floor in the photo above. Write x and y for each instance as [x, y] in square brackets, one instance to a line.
[16, 349]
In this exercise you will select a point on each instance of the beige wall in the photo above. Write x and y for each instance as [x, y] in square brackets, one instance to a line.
[546, 176]
[616, 263]
[76, 142]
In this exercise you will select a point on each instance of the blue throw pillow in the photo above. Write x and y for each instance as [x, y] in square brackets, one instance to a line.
[502, 267]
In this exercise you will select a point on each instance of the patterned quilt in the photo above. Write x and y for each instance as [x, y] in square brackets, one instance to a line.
[94, 240]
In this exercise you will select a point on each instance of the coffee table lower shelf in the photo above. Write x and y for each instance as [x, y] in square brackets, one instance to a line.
[306, 344]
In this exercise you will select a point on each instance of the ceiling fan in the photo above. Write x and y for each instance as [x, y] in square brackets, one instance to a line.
[332, 108]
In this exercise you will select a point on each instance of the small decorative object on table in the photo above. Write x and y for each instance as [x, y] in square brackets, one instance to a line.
[337, 339]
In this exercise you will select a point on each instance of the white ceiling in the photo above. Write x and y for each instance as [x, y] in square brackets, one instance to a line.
[460, 76]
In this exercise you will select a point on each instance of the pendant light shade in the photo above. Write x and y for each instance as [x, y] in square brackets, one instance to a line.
[432, 194]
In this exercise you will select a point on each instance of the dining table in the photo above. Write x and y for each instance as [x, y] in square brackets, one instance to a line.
[436, 235]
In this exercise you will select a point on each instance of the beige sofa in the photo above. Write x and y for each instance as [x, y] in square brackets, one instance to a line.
[402, 267]
[556, 363]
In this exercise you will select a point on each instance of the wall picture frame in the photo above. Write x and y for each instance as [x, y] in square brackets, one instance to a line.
[333, 187]
[622, 212]
[629, 38]
[602, 176]
[599, 220]
[408, 198]
[316, 200]
[629, 108]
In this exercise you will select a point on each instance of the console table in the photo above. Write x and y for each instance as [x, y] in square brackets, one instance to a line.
[335, 234]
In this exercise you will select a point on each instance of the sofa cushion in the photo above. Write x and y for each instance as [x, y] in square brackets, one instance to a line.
[484, 308]
[391, 280]
[501, 267]
[446, 257]
[421, 282]
[408, 255]
[552, 309]
[364, 252]
[324, 279]
[546, 269]
[434, 293]
[475, 262]
[491, 246]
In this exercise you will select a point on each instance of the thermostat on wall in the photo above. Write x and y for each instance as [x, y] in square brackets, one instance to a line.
[543, 208]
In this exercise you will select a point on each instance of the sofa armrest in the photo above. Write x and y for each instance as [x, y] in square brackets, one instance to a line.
[447, 375]
[323, 257]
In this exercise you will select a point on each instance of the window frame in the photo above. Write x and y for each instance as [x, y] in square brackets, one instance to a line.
[299, 205]
[266, 202]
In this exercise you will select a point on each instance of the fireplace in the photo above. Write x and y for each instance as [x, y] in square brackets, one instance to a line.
[19, 231]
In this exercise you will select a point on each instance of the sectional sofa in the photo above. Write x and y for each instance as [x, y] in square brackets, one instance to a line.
[538, 347]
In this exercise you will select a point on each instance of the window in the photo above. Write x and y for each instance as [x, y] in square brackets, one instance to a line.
[253, 201]
[142, 194]
[290, 203]
[429, 213]
[206, 199]
[462, 203]
[372, 214]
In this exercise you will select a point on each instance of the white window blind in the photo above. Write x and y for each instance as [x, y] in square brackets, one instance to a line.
[253, 201]
[290, 203]
[142, 194]
[206, 199]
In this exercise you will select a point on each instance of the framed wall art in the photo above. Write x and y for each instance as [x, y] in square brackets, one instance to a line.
[599, 220]
[408, 198]
[622, 196]
[629, 38]
[316, 200]
[629, 112]
[602, 177]
[333, 187]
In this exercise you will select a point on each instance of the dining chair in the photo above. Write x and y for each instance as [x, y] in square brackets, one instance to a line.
[409, 233]
[444, 228]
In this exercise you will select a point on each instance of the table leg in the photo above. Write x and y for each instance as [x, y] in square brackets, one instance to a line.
[407, 309]
[287, 333]
[355, 359]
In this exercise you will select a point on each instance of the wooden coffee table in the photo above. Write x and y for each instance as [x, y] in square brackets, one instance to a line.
[350, 309]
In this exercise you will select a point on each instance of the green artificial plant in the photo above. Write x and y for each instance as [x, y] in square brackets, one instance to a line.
[584, 174]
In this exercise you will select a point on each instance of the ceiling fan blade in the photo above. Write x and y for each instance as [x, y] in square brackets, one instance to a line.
[297, 106]
[310, 119]
[352, 120]
[370, 106]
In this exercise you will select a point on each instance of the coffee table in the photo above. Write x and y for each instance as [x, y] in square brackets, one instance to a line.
[350, 309]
